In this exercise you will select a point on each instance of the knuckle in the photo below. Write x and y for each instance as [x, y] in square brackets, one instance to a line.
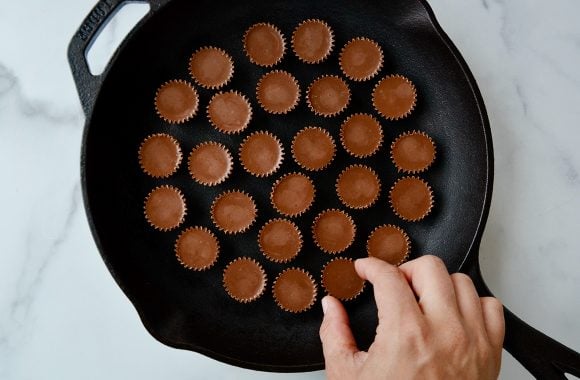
[457, 343]
[456, 340]
[461, 279]
[484, 354]
[432, 260]
[324, 331]
[384, 268]
[392, 271]
[377, 269]
[417, 335]
[387, 272]
[492, 303]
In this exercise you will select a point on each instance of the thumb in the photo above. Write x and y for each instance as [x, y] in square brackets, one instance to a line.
[338, 343]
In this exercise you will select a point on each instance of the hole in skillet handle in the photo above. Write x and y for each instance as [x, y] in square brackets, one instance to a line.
[112, 34]
[87, 83]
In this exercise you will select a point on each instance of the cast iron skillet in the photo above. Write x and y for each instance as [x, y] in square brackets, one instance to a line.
[191, 311]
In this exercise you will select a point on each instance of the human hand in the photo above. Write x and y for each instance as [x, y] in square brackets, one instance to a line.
[432, 325]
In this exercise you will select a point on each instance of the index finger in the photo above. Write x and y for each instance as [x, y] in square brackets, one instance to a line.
[394, 297]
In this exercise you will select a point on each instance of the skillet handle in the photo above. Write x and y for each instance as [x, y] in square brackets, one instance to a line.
[88, 84]
[542, 356]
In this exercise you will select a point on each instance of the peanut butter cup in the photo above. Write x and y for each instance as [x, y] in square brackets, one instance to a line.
[233, 212]
[229, 112]
[358, 186]
[333, 231]
[280, 240]
[361, 135]
[340, 279]
[394, 97]
[294, 290]
[159, 155]
[413, 152]
[261, 154]
[328, 96]
[197, 248]
[313, 148]
[244, 280]
[411, 198]
[292, 194]
[264, 44]
[361, 59]
[211, 67]
[210, 163]
[312, 41]
[389, 243]
[165, 208]
[176, 101]
[278, 92]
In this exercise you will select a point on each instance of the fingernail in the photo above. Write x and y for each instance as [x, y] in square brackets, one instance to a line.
[324, 305]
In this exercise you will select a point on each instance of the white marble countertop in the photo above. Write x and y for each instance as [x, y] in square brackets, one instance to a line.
[63, 317]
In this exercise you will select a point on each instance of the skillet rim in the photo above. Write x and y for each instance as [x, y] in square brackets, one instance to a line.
[470, 259]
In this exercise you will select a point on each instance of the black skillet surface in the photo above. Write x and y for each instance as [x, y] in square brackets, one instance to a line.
[190, 310]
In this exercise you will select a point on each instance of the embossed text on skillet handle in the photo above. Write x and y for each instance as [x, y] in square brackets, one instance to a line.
[88, 84]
